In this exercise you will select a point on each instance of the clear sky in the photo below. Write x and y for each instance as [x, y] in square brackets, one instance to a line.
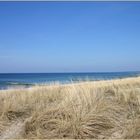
[69, 36]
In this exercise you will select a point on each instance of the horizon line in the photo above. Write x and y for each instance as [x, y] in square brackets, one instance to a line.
[65, 72]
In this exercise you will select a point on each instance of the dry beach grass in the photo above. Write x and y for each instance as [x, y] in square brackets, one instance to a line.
[103, 109]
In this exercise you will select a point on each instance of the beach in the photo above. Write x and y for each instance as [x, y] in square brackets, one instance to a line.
[25, 80]
[99, 109]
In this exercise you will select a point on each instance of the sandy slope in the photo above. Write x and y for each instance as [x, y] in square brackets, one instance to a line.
[101, 109]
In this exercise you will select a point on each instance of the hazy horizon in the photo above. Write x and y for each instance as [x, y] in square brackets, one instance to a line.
[58, 37]
[69, 72]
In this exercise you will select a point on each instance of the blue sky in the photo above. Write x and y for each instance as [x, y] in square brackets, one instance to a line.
[69, 36]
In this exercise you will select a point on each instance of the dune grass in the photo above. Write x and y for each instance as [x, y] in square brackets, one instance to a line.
[104, 109]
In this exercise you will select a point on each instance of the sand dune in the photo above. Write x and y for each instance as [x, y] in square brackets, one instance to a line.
[102, 109]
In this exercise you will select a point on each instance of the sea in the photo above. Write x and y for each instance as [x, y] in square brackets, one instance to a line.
[18, 80]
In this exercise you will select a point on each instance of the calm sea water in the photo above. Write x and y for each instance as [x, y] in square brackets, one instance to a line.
[28, 79]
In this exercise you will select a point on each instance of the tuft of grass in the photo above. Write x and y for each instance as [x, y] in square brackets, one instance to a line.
[102, 110]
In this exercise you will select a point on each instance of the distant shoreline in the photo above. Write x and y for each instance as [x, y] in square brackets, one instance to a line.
[106, 81]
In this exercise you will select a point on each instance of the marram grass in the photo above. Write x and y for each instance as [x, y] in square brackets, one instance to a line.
[99, 110]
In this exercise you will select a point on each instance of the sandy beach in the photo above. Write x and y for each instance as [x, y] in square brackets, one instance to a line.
[100, 109]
